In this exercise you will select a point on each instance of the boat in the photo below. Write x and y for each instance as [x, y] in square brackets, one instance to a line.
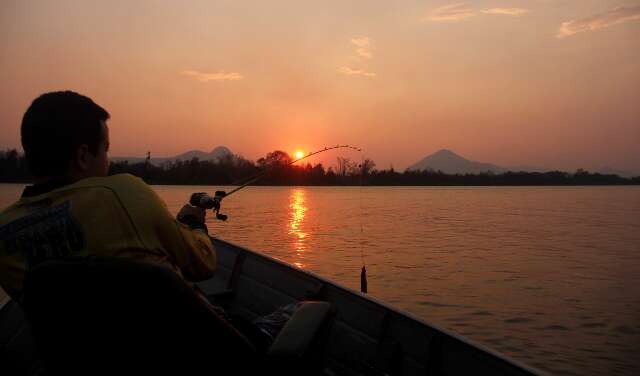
[365, 336]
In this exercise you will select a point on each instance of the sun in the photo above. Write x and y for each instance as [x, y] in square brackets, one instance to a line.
[298, 154]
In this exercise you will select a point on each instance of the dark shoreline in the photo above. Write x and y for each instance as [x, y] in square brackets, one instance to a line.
[277, 170]
[635, 183]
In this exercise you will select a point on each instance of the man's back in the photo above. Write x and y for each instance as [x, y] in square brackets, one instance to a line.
[117, 216]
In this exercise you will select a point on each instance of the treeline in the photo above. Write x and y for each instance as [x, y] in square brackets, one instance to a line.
[234, 170]
[13, 167]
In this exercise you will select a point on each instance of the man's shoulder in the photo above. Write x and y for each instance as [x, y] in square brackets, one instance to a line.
[126, 191]
[115, 181]
[121, 184]
[129, 189]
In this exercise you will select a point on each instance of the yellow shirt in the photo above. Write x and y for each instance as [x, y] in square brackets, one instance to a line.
[118, 216]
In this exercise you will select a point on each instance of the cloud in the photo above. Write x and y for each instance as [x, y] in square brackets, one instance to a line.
[220, 76]
[361, 42]
[363, 50]
[460, 12]
[355, 72]
[506, 11]
[451, 13]
[599, 21]
[364, 47]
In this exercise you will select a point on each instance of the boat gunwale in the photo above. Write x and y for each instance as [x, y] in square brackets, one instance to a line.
[384, 305]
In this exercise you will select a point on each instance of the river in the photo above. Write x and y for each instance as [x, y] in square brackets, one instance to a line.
[549, 276]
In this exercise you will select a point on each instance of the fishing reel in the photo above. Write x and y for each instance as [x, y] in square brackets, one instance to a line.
[204, 201]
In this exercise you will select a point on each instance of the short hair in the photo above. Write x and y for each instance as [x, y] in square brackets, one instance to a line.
[53, 128]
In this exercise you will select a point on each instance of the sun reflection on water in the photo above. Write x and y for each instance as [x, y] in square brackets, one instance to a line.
[296, 218]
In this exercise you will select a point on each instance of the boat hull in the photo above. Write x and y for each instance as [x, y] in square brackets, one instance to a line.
[367, 337]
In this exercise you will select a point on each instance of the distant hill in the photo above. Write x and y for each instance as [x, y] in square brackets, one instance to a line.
[215, 154]
[451, 163]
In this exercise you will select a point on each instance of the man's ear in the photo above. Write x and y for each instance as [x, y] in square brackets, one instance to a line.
[82, 160]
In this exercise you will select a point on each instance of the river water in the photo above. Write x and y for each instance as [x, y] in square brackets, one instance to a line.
[549, 276]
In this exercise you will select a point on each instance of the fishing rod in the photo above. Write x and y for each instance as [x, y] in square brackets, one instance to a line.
[205, 201]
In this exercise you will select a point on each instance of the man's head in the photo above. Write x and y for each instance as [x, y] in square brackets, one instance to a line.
[64, 135]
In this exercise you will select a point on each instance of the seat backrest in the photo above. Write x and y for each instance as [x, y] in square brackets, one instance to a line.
[117, 316]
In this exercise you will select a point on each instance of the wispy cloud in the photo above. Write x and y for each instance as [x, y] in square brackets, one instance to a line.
[363, 51]
[451, 13]
[506, 11]
[599, 21]
[361, 41]
[220, 76]
[364, 47]
[460, 12]
[355, 72]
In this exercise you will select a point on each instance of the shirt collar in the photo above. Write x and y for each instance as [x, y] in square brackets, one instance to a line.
[48, 186]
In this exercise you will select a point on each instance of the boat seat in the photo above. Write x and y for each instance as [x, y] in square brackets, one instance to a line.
[301, 329]
[117, 316]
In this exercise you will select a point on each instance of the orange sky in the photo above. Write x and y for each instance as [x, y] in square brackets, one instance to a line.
[551, 83]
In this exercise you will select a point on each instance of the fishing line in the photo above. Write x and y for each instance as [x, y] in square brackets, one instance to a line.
[363, 272]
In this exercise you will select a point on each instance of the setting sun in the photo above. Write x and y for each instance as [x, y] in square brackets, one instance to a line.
[298, 154]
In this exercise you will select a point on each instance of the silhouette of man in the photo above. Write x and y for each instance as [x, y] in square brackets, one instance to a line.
[75, 209]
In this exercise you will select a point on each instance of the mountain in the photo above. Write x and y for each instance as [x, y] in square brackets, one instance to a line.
[215, 154]
[451, 163]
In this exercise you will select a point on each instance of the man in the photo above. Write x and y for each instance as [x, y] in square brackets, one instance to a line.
[75, 209]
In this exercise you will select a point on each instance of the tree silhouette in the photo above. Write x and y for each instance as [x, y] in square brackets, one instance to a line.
[234, 169]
